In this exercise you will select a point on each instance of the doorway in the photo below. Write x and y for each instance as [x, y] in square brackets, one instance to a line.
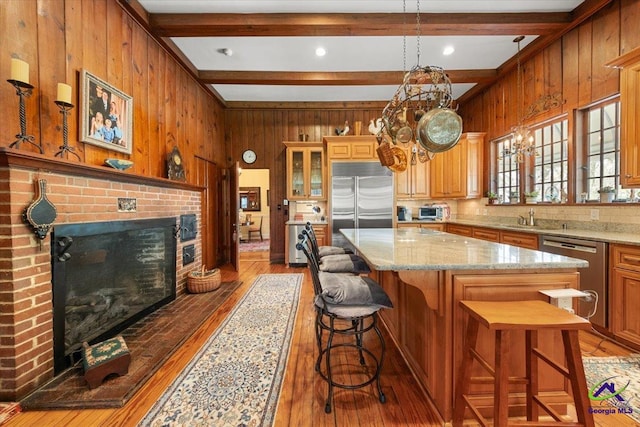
[254, 215]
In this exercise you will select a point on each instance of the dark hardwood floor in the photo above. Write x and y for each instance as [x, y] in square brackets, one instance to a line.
[303, 392]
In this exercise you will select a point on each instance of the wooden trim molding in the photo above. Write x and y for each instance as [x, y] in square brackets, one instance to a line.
[11, 158]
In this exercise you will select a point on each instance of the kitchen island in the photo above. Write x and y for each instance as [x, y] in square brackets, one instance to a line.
[426, 273]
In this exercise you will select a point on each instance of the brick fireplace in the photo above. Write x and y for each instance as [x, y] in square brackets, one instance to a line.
[81, 193]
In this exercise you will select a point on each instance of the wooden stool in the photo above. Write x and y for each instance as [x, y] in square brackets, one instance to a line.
[530, 316]
[108, 357]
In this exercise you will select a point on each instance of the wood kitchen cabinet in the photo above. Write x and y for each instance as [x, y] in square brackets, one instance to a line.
[306, 171]
[414, 181]
[462, 230]
[457, 173]
[518, 238]
[357, 147]
[629, 117]
[624, 293]
[430, 226]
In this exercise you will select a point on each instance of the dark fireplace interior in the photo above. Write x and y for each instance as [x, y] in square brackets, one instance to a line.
[106, 276]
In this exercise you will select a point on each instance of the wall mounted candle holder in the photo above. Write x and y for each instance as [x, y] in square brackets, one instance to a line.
[23, 90]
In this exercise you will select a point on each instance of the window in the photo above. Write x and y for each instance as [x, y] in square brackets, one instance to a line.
[601, 153]
[507, 174]
[551, 166]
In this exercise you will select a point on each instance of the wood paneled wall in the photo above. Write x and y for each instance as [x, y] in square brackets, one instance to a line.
[573, 66]
[264, 130]
[59, 38]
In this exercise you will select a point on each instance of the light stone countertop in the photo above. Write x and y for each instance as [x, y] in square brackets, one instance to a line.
[622, 237]
[423, 249]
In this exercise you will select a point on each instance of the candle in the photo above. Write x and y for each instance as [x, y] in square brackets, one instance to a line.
[64, 93]
[19, 71]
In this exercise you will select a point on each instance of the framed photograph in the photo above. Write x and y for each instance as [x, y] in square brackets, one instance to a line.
[106, 115]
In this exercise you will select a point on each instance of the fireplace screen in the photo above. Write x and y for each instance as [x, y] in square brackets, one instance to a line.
[106, 276]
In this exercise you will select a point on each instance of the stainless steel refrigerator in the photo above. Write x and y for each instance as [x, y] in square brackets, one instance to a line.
[361, 197]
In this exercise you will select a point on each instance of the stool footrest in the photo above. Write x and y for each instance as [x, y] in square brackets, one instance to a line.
[561, 369]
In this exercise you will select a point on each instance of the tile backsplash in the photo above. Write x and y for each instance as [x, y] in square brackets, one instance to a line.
[621, 217]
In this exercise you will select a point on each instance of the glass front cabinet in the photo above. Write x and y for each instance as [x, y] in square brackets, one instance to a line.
[306, 174]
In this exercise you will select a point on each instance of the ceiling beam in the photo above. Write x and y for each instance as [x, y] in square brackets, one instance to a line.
[354, 24]
[330, 78]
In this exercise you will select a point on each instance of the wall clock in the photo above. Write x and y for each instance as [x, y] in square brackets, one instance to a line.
[249, 156]
[175, 167]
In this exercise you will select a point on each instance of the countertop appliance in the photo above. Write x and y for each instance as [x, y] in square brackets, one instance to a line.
[361, 197]
[434, 212]
[404, 213]
[593, 277]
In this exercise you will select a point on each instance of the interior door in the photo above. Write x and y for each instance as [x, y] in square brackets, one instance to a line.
[234, 195]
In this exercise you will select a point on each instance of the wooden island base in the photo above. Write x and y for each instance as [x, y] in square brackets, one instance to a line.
[428, 327]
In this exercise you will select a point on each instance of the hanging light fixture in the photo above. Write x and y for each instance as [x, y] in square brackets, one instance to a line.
[420, 115]
[521, 142]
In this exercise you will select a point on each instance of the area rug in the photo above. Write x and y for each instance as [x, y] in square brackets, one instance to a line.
[614, 385]
[151, 341]
[235, 379]
[254, 246]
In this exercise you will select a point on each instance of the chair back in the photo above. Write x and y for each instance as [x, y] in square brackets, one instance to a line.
[313, 242]
[304, 245]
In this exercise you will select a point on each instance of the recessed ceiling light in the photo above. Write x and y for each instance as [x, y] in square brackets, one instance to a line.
[448, 50]
[321, 51]
[225, 51]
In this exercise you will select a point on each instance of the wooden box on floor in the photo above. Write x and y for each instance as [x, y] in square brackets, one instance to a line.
[103, 359]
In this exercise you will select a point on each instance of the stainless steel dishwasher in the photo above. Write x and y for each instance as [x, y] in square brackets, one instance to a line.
[593, 277]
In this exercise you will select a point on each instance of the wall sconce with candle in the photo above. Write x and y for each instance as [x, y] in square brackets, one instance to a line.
[63, 101]
[20, 80]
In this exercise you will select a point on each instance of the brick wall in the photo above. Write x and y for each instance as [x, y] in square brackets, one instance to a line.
[26, 331]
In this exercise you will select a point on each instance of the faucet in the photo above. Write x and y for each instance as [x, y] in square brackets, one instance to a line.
[522, 220]
[531, 218]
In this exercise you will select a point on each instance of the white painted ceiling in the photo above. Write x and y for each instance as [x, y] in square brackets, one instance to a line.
[345, 53]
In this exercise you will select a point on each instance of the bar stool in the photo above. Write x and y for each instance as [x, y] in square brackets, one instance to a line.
[346, 305]
[530, 316]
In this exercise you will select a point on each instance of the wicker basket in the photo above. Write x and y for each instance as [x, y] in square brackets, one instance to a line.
[385, 154]
[203, 281]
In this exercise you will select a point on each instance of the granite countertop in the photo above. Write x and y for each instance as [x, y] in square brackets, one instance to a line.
[602, 236]
[424, 249]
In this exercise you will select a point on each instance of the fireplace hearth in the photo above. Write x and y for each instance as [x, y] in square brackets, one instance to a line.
[107, 276]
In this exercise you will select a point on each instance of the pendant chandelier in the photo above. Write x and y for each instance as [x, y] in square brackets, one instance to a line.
[419, 115]
[521, 143]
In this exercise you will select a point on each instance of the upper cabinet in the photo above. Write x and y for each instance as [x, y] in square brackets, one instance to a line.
[358, 147]
[414, 181]
[630, 117]
[457, 173]
[306, 171]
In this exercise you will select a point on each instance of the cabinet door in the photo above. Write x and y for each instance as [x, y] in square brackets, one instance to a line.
[462, 230]
[486, 234]
[297, 173]
[523, 240]
[629, 116]
[316, 174]
[306, 173]
[625, 297]
[403, 181]
[414, 181]
[448, 172]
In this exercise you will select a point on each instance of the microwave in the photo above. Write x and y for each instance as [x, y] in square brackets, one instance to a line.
[433, 213]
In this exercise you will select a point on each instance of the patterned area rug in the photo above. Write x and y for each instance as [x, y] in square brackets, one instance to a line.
[614, 385]
[235, 378]
[254, 246]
